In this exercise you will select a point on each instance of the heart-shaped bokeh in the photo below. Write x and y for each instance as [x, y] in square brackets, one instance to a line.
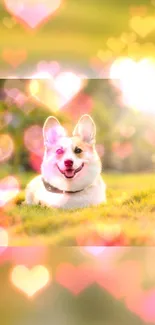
[128, 38]
[116, 45]
[35, 162]
[43, 91]
[138, 11]
[30, 281]
[104, 56]
[14, 57]
[5, 119]
[81, 104]
[32, 13]
[139, 51]
[142, 25]
[52, 68]
[68, 84]
[9, 189]
[101, 235]
[6, 147]
[56, 92]
[142, 304]
[33, 140]
[94, 250]
[131, 78]
[74, 278]
[122, 150]
[14, 89]
[115, 281]
[127, 131]
[9, 22]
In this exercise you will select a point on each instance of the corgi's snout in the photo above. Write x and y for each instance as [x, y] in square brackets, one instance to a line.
[68, 163]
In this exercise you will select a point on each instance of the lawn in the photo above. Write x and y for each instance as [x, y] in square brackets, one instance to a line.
[128, 217]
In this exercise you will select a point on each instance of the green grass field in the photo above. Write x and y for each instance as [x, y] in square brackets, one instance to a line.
[130, 206]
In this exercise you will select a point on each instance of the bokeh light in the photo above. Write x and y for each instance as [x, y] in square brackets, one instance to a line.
[74, 278]
[67, 85]
[133, 76]
[30, 281]
[31, 13]
[33, 139]
[55, 92]
[123, 149]
[43, 91]
[5, 119]
[6, 147]
[45, 68]
[9, 188]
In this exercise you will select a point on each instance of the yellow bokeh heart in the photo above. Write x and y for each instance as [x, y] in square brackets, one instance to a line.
[105, 56]
[30, 281]
[43, 92]
[142, 25]
[116, 45]
[128, 38]
[138, 51]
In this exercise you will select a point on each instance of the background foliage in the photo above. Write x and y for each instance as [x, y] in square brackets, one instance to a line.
[125, 137]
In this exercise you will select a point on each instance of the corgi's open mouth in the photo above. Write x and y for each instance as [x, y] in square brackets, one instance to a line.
[70, 172]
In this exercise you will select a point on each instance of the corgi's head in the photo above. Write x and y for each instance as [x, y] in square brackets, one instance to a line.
[70, 163]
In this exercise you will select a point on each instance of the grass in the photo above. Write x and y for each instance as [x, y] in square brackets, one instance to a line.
[129, 213]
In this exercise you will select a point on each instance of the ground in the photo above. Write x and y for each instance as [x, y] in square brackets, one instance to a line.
[128, 217]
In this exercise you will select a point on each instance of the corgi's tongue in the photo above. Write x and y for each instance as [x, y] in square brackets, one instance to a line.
[69, 172]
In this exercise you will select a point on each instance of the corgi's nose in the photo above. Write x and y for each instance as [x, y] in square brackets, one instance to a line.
[68, 163]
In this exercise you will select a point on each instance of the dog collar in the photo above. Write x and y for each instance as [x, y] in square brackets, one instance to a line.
[53, 189]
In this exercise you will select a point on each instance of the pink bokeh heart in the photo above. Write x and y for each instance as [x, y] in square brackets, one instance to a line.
[122, 150]
[32, 13]
[33, 140]
[94, 250]
[51, 67]
[74, 278]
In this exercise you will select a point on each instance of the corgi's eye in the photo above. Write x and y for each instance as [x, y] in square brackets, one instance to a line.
[60, 151]
[78, 150]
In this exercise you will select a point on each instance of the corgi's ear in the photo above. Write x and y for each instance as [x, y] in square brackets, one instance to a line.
[86, 129]
[52, 131]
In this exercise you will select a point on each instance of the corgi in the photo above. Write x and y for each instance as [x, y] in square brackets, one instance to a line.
[71, 168]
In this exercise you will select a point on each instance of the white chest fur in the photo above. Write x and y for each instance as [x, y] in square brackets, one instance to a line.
[36, 193]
